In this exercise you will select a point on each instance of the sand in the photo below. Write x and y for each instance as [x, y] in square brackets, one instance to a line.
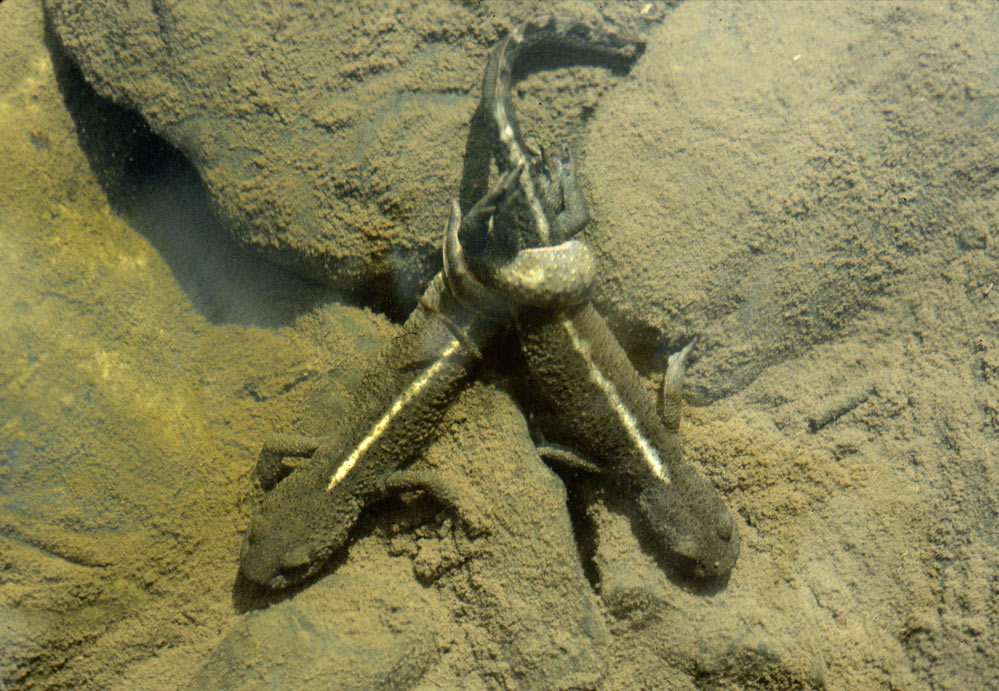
[809, 189]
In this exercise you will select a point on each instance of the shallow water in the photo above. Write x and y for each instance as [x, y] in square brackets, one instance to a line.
[807, 188]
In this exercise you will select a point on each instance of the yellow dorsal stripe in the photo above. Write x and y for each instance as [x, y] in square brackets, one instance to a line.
[383, 424]
[649, 452]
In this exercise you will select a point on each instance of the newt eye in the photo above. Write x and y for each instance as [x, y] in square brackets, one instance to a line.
[687, 546]
[295, 557]
[724, 529]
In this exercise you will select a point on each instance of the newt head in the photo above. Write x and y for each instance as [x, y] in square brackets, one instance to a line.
[295, 530]
[692, 525]
[274, 562]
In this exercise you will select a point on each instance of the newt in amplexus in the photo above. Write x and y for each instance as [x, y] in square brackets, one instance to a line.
[605, 413]
[512, 257]
[307, 513]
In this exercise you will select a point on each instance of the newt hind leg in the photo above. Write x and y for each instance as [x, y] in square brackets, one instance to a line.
[465, 521]
[574, 213]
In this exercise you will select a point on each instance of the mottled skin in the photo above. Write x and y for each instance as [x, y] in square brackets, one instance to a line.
[607, 415]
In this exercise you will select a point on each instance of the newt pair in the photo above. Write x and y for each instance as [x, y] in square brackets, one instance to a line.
[512, 257]
[308, 511]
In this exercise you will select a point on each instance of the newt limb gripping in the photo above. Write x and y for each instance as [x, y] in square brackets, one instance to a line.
[540, 42]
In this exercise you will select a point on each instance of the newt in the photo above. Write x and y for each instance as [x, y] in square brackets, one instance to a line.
[609, 422]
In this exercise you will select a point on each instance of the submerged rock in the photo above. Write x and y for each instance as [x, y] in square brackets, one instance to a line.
[758, 199]
[329, 137]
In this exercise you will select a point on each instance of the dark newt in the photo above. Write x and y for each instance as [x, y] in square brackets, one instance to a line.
[606, 413]
[307, 513]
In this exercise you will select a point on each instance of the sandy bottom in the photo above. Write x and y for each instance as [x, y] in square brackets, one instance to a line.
[144, 358]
